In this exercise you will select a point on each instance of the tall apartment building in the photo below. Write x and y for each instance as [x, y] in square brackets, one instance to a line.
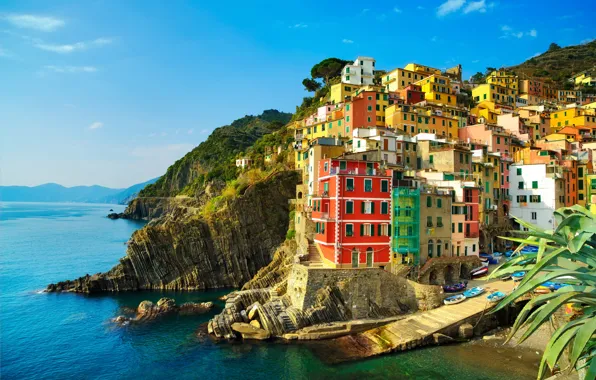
[361, 72]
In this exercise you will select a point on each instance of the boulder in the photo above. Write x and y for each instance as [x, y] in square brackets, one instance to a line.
[466, 331]
[439, 338]
[255, 323]
[252, 310]
[250, 332]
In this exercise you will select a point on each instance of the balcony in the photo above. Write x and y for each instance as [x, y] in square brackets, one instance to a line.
[324, 194]
[472, 234]
[429, 224]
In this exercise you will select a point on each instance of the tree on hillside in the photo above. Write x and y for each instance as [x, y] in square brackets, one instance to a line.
[490, 70]
[328, 68]
[553, 46]
[311, 85]
[378, 80]
[477, 78]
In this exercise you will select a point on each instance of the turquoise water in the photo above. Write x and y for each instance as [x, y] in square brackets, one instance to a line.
[69, 336]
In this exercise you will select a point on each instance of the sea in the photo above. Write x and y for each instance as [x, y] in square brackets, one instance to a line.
[71, 336]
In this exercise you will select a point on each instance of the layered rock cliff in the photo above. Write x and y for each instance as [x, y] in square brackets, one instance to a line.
[185, 249]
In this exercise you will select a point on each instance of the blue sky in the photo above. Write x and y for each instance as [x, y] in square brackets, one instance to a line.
[113, 92]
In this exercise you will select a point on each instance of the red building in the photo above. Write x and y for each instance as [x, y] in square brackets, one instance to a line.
[412, 94]
[361, 112]
[472, 224]
[352, 213]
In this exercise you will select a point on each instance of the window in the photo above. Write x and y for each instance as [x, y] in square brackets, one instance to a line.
[349, 184]
[461, 157]
[326, 167]
[522, 198]
[384, 208]
[534, 217]
[369, 108]
[429, 221]
[349, 230]
[460, 227]
[368, 185]
[343, 165]
[520, 185]
[439, 203]
[384, 185]
[519, 171]
[367, 207]
[439, 221]
[430, 158]
[348, 78]
[430, 248]
[452, 228]
[534, 198]
[534, 184]
[349, 207]
[429, 202]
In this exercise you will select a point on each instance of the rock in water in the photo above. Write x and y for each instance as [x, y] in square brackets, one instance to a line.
[184, 250]
[248, 331]
[148, 310]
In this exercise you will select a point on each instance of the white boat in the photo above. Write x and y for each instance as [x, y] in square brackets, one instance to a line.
[454, 299]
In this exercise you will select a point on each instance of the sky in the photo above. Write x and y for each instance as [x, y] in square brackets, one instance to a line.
[113, 92]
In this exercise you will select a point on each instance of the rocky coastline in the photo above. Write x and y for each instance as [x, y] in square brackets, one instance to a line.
[182, 248]
[148, 311]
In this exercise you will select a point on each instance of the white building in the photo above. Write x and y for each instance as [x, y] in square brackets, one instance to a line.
[243, 162]
[536, 190]
[360, 72]
[382, 140]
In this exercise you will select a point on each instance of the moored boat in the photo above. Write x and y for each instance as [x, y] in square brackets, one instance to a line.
[495, 296]
[479, 272]
[474, 292]
[542, 289]
[460, 287]
[518, 276]
[454, 299]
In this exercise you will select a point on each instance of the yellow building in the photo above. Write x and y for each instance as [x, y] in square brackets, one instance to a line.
[487, 110]
[504, 79]
[437, 90]
[585, 78]
[413, 120]
[423, 70]
[339, 92]
[575, 116]
[399, 79]
[591, 192]
[494, 93]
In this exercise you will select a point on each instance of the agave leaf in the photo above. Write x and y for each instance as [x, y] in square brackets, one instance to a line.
[553, 340]
[541, 249]
[546, 312]
[581, 340]
[579, 240]
[591, 372]
[554, 352]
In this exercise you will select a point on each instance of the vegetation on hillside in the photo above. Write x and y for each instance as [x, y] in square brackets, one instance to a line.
[566, 255]
[215, 157]
[559, 63]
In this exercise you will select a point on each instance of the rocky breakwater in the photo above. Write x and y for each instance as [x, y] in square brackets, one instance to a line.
[287, 298]
[186, 249]
[148, 311]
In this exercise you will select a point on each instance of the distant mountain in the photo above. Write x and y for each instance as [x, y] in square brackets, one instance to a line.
[558, 63]
[53, 192]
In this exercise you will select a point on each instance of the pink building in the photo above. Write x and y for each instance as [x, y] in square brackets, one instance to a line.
[514, 125]
[496, 138]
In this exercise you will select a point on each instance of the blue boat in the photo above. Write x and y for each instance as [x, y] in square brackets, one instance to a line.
[495, 297]
[529, 249]
[454, 299]
[474, 292]
[497, 254]
[508, 253]
[491, 260]
[517, 276]
[554, 285]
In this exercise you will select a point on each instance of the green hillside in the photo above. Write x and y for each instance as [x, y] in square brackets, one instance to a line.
[215, 157]
[558, 63]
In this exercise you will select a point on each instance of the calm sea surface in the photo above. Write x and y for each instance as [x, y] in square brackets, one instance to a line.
[70, 336]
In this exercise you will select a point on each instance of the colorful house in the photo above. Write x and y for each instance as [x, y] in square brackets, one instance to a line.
[352, 214]
[405, 243]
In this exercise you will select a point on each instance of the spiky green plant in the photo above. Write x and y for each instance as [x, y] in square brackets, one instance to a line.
[569, 252]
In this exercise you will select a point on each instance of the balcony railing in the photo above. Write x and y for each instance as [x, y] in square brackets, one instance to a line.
[472, 234]
[324, 194]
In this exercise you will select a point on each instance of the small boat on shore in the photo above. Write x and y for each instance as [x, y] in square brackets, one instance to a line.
[454, 299]
[518, 276]
[542, 289]
[495, 297]
[474, 292]
[455, 288]
[479, 272]
[489, 258]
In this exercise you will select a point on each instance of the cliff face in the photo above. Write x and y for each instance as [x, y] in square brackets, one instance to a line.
[184, 250]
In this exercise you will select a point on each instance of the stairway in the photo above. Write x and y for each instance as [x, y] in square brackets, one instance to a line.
[313, 254]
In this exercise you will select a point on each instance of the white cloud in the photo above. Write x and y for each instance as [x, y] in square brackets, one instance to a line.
[420, 7]
[505, 28]
[347, 41]
[96, 125]
[69, 48]
[533, 33]
[397, 10]
[475, 6]
[42, 23]
[204, 131]
[298, 26]
[161, 150]
[450, 6]
[534, 56]
[586, 41]
[71, 69]
[518, 34]
[5, 53]
[152, 134]
[190, 131]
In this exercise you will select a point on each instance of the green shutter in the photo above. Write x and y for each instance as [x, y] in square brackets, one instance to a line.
[362, 230]
[372, 207]
[429, 202]
[534, 184]
[439, 203]
[379, 233]
[372, 230]
[362, 207]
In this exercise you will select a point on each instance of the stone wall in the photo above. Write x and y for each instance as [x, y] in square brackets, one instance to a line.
[367, 293]
[447, 270]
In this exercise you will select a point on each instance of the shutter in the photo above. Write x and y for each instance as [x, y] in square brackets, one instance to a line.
[362, 207]
[362, 230]
[372, 230]
[379, 232]
[388, 230]
[372, 207]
